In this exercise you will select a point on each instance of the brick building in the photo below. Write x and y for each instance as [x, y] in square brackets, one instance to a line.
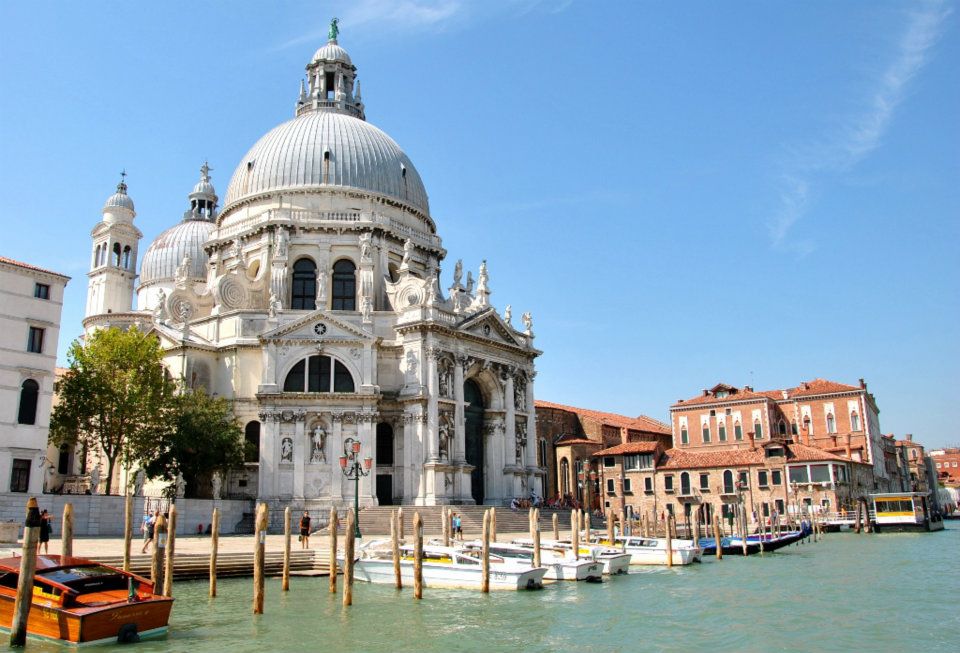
[567, 438]
[916, 468]
[947, 466]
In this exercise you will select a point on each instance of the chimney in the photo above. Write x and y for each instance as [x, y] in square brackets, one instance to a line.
[908, 437]
[748, 388]
[863, 384]
[706, 393]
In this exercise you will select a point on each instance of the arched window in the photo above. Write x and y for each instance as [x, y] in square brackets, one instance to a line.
[96, 256]
[542, 453]
[116, 254]
[126, 257]
[782, 427]
[344, 286]
[793, 428]
[564, 477]
[728, 482]
[251, 438]
[831, 423]
[304, 292]
[758, 430]
[706, 432]
[684, 436]
[854, 421]
[29, 393]
[722, 430]
[319, 374]
[737, 431]
[63, 463]
[684, 483]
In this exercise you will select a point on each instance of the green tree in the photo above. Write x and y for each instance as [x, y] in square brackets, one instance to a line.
[203, 437]
[114, 396]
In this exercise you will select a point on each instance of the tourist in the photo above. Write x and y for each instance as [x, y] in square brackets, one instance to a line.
[149, 526]
[44, 532]
[457, 527]
[305, 530]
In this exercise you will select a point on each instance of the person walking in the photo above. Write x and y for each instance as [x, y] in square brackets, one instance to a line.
[305, 530]
[149, 526]
[457, 526]
[45, 525]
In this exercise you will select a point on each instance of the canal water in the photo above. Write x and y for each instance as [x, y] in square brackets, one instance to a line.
[889, 592]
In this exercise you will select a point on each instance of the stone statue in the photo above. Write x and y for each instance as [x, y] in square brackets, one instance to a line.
[444, 374]
[483, 277]
[469, 282]
[161, 308]
[94, 480]
[366, 247]
[411, 366]
[366, 310]
[183, 270]
[527, 323]
[458, 272]
[138, 481]
[444, 443]
[430, 297]
[407, 253]
[180, 485]
[318, 439]
[520, 395]
[508, 314]
[286, 450]
[217, 482]
[283, 240]
[274, 306]
[334, 30]
[322, 289]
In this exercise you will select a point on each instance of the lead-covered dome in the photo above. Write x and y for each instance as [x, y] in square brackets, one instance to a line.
[120, 199]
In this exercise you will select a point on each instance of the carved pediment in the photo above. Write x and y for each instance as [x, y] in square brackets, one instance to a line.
[318, 325]
[490, 326]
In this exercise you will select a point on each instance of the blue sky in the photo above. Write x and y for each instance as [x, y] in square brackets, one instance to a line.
[681, 193]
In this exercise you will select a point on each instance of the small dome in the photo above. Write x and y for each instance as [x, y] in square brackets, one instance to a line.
[330, 51]
[204, 188]
[167, 251]
[120, 199]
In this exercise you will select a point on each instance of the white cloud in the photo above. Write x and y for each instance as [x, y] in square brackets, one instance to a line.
[863, 133]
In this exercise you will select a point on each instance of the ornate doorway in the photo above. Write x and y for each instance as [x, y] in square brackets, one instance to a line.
[473, 440]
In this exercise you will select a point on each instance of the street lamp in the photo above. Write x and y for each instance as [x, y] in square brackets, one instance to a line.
[353, 470]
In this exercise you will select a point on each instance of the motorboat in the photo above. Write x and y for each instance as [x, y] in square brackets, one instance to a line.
[560, 565]
[80, 601]
[653, 550]
[614, 560]
[444, 566]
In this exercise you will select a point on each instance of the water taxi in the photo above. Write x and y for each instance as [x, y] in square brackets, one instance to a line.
[613, 559]
[560, 565]
[79, 601]
[444, 567]
[653, 550]
[905, 511]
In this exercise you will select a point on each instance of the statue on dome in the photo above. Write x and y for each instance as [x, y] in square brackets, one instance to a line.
[458, 272]
[183, 270]
[508, 314]
[365, 240]
[527, 323]
[407, 253]
[161, 308]
[469, 282]
[282, 241]
[334, 30]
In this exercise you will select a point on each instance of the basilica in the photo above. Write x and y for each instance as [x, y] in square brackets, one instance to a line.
[314, 301]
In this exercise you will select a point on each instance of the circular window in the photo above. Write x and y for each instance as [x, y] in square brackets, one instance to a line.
[319, 328]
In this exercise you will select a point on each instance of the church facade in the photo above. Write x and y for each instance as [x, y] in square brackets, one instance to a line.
[313, 301]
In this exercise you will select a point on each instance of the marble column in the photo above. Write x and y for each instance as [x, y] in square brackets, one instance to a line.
[459, 428]
[510, 420]
[336, 450]
[531, 462]
[269, 442]
[299, 454]
[366, 435]
[433, 392]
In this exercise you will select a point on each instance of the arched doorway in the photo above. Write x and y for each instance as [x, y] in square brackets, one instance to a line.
[384, 481]
[473, 440]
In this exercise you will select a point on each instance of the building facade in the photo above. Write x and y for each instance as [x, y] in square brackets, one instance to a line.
[946, 463]
[313, 301]
[31, 301]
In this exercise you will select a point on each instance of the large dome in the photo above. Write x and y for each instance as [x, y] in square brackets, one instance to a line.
[328, 149]
[168, 250]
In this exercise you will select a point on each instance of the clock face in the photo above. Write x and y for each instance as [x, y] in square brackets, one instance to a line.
[319, 328]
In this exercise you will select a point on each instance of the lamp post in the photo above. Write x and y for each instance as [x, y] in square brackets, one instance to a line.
[351, 467]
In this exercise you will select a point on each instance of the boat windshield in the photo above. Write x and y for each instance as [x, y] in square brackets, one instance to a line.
[93, 578]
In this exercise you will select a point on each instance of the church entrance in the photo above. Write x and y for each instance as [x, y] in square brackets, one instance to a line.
[473, 440]
[384, 487]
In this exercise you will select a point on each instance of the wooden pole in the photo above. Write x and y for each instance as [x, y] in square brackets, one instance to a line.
[575, 535]
[669, 540]
[259, 555]
[556, 527]
[493, 524]
[696, 529]
[214, 550]
[485, 554]
[586, 526]
[127, 530]
[445, 515]
[610, 527]
[395, 547]
[28, 567]
[159, 547]
[717, 536]
[171, 541]
[536, 537]
[624, 530]
[285, 581]
[348, 552]
[334, 522]
[66, 536]
[400, 523]
[417, 556]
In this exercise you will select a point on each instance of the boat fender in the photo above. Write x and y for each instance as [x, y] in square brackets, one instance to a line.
[128, 634]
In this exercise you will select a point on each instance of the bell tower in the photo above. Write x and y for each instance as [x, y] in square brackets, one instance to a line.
[113, 267]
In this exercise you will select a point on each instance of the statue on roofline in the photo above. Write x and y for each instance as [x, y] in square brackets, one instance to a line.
[334, 30]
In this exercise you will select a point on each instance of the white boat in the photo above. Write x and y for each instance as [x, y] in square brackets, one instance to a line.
[444, 567]
[614, 560]
[560, 566]
[653, 550]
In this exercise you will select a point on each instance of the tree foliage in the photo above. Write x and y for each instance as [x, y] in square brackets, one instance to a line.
[114, 397]
[202, 437]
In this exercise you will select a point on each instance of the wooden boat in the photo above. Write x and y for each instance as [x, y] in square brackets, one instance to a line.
[653, 550]
[560, 566]
[79, 601]
[444, 567]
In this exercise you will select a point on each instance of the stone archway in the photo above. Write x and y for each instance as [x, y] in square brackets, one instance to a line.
[473, 437]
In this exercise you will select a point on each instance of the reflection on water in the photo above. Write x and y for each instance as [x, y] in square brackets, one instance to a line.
[852, 592]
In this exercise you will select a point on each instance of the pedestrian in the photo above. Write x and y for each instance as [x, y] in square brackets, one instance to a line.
[305, 530]
[149, 526]
[45, 523]
[457, 526]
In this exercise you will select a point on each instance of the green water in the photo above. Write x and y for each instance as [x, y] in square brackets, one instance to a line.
[890, 592]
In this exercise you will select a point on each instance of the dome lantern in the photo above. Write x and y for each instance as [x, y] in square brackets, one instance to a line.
[120, 199]
[330, 77]
[203, 199]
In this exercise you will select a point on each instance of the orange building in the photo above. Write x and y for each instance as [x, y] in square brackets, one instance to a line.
[947, 466]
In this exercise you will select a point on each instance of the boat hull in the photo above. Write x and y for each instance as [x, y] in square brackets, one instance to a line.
[448, 576]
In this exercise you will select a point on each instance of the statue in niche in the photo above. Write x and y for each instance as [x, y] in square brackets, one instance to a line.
[366, 247]
[444, 374]
[217, 483]
[527, 323]
[138, 481]
[444, 443]
[283, 240]
[458, 272]
[521, 435]
[366, 310]
[94, 480]
[318, 439]
[407, 253]
[411, 366]
[469, 282]
[431, 294]
[322, 288]
[274, 305]
[508, 314]
[286, 450]
[180, 486]
[520, 395]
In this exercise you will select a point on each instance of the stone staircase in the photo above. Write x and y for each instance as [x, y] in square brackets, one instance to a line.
[376, 520]
[229, 565]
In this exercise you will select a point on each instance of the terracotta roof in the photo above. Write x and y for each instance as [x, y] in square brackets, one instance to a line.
[639, 423]
[808, 388]
[565, 441]
[628, 448]
[685, 459]
[27, 266]
[803, 453]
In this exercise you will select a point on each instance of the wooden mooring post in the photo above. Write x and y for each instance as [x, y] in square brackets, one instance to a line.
[159, 548]
[171, 550]
[717, 536]
[625, 527]
[417, 556]
[445, 516]
[670, 541]
[400, 523]
[259, 555]
[536, 537]
[395, 549]
[214, 550]
[488, 517]
[493, 524]
[610, 526]
[556, 527]
[333, 525]
[285, 581]
[127, 529]
[66, 531]
[348, 552]
[28, 567]
[586, 526]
